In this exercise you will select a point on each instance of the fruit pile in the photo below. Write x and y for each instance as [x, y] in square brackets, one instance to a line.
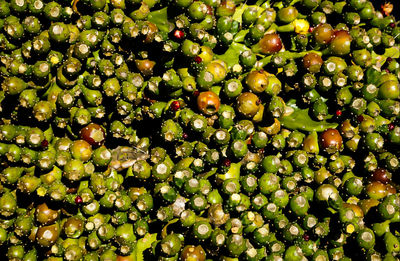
[199, 130]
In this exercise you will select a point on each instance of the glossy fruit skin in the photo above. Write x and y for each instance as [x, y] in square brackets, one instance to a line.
[94, 134]
[257, 81]
[81, 150]
[205, 104]
[191, 252]
[340, 44]
[270, 43]
[248, 104]
[312, 62]
[331, 140]
[287, 14]
[208, 102]
[376, 190]
[47, 235]
[45, 215]
[236, 244]
[389, 90]
[323, 33]
[171, 245]
[366, 238]
[381, 175]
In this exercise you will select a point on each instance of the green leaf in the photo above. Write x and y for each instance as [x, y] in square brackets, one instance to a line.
[232, 173]
[239, 37]
[393, 52]
[49, 134]
[332, 210]
[143, 244]
[216, 89]
[160, 18]
[231, 56]
[237, 16]
[372, 75]
[300, 120]
[2, 96]
[210, 173]
[164, 232]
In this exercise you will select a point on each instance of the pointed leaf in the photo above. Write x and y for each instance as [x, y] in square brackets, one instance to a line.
[300, 120]
[160, 18]
[231, 56]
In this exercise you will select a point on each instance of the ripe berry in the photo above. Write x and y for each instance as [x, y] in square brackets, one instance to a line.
[381, 175]
[331, 140]
[78, 200]
[198, 59]
[338, 113]
[94, 134]
[208, 102]
[391, 126]
[227, 162]
[179, 34]
[175, 105]
[44, 143]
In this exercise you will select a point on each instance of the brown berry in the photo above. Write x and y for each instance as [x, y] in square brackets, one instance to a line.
[270, 43]
[323, 33]
[94, 134]
[381, 175]
[312, 62]
[331, 140]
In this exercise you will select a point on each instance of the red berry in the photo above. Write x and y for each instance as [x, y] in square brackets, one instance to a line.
[44, 143]
[310, 29]
[360, 118]
[179, 34]
[306, 237]
[392, 25]
[198, 59]
[196, 93]
[185, 135]
[389, 59]
[227, 162]
[338, 113]
[78, 199]
[387, 70]
[391, 126]
[175, 105]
